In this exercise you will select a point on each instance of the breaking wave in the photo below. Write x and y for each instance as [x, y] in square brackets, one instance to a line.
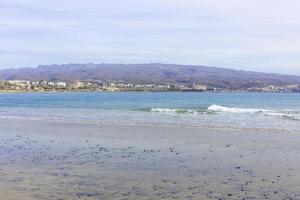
[287, 114]
[169, 110]
[218, 109]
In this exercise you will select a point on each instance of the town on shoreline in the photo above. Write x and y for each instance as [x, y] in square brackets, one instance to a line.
[99, 86]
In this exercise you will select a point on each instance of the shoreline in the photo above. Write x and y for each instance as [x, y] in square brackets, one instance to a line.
[50, 160]
[200, 127]
[137, 91]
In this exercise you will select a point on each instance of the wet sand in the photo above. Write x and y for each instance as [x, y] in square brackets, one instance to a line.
[51, 160]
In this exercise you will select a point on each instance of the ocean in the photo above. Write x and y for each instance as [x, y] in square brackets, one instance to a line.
[270, 111]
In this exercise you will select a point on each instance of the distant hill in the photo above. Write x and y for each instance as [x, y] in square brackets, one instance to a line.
[151, 73]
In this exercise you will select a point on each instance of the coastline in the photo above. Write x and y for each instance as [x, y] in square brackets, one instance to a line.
[156, 125]
[43, 159]
[133, 91]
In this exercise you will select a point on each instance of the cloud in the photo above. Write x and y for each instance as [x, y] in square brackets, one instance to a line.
[250, 34]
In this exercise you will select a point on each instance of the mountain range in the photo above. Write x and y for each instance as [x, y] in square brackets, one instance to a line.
[151, 73]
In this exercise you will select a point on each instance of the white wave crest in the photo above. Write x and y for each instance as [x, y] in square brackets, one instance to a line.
[169, 110]
[294, 115]
[218, 108]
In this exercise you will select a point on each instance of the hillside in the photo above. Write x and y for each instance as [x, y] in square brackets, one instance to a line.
[150, 73]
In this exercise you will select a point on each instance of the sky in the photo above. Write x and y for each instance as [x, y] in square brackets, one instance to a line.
[256, 35]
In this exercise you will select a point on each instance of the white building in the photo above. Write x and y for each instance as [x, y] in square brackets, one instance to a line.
[82, 84]
[199, 87]
[61, 84]
[22, 84]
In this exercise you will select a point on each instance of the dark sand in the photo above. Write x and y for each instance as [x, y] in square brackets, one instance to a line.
[49, 160]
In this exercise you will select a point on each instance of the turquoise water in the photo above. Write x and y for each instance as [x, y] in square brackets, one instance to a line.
[233, 110]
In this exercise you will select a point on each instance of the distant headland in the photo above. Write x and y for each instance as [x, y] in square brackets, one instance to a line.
[142, 77]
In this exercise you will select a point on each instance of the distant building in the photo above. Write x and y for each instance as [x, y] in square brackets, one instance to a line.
[60, 84]
[43, 83]
[150, 85]
[35, 83]
[198, 87]
[82, 84]
[51, 84]
[171, 87]
[161, 87]
[112, 89]
[19, 84]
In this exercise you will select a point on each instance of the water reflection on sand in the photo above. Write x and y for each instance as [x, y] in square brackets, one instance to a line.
[43, 160]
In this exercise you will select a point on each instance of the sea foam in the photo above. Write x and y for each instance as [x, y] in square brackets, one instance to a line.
[218, 108]
[288, 114]
[170, 110]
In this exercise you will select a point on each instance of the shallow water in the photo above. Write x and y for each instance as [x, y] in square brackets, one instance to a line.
[279, 111]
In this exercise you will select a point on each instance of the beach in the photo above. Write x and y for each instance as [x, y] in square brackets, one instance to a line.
[149, 100]
[42, 159]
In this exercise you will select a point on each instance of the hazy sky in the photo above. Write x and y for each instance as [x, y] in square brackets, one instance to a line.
[261, 35]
